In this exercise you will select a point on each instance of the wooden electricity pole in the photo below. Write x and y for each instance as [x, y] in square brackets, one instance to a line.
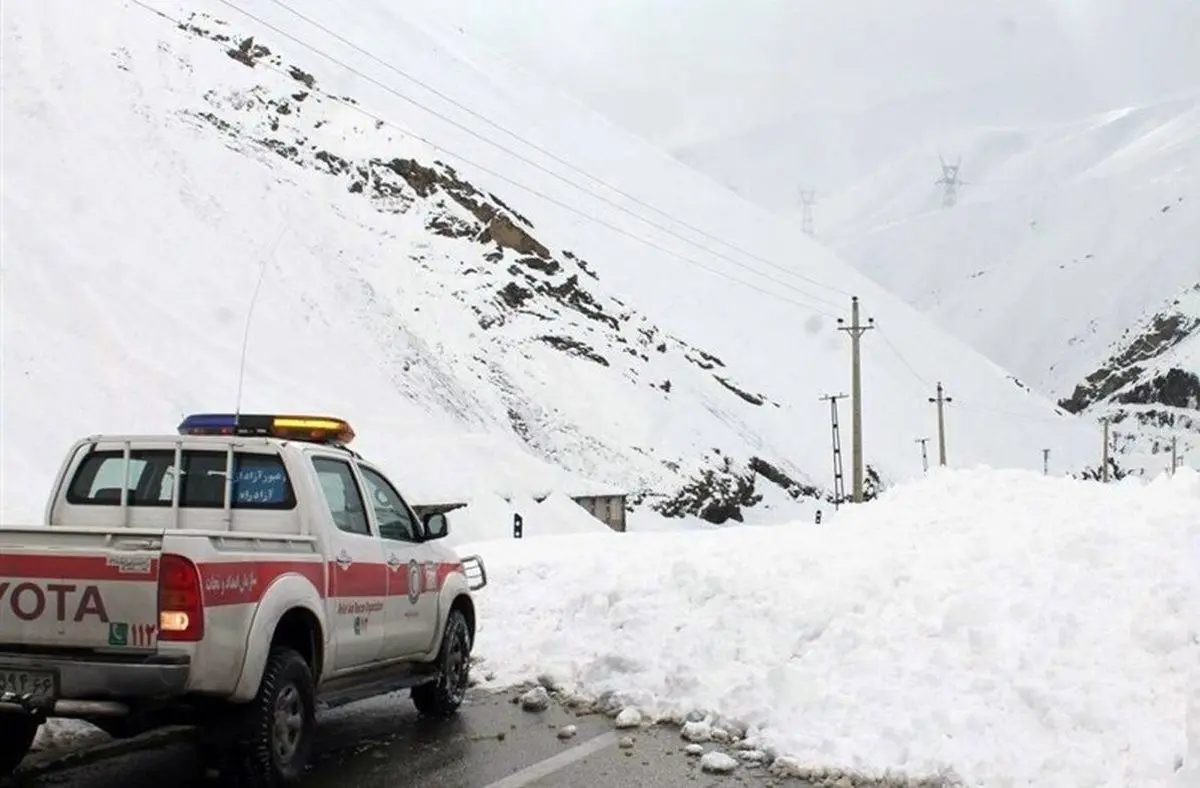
[856, 330]
[839, 479]
[1045, 462]
[941, 400]
[1174, 454]
[924, 454]
[1104, 456]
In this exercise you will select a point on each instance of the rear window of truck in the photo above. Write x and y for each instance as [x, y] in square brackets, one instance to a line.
[259, 480]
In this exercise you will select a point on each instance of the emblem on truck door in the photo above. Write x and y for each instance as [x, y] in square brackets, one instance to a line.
[414, 582]
[344, 560]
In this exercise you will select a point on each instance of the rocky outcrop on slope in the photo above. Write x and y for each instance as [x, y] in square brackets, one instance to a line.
[1149, 387]
[1123, 376]
[514, 283]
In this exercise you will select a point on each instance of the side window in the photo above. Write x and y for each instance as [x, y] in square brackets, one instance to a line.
[342, 495]
[395, 520]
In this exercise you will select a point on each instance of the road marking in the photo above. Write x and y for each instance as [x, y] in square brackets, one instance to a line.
[554, 763]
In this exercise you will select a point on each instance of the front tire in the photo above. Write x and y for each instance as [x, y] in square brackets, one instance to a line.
[273, 734]
[17, 732]
[442, 698]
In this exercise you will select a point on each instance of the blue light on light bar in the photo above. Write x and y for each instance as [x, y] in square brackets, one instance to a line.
[316, 429]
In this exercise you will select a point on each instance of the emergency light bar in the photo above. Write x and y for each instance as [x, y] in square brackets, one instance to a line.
[317, 429]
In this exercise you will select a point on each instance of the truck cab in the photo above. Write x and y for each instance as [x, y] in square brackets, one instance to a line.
[237, 575]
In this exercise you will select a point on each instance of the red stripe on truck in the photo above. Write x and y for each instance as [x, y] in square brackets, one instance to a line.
[359, 579]
[79, 567]
[245, 582]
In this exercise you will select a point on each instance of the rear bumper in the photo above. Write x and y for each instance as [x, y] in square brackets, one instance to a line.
[96, 679]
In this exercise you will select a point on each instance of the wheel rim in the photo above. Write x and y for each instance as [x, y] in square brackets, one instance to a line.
[457, 668]
[289, 723]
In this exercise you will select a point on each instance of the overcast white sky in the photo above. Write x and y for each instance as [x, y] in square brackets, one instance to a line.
[682, 71]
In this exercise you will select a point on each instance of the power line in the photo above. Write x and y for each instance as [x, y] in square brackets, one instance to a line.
[540, 149]
[554, 201]
[525, 159]
[968, 404]
[887, 342]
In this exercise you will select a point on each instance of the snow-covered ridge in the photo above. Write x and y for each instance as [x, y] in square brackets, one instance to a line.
[419, 294]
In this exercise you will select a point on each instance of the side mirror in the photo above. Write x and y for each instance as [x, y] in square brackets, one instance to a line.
[436, 525]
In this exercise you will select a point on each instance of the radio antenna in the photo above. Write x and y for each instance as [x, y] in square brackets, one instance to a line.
[262, 272]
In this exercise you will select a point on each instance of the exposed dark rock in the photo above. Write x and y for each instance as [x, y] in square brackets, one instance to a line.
[548, 265]
[1165, 331]
[702, 359]
[221, 124]
[716, 495]
[574, 347]
[514, 296]
[503, 232]
[509, 208]
[753, 399]
[773, 474]
[450, 226]
[282, 148]
[248, 52]
[569, 294]
[1176, 389]
[302, 76]
[335, 164]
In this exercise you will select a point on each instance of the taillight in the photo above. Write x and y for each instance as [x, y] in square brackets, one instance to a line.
[180, 603]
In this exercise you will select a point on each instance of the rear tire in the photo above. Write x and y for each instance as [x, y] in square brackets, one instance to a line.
[272, 735]
[442, 698]
[17, 732]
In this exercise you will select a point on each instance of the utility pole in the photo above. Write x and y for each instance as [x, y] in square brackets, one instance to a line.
[941, 400]
[950, 182]
[808, 198]
[839, 480]
[856, 330]
[1104, 460]
[924, 454]
[1045, 462]
[1174, 454]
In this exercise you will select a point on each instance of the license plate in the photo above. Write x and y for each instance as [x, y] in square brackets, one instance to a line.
[41, 685]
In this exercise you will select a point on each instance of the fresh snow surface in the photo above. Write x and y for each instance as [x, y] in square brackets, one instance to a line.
[1064, 237]
[140, 209]
[786, 78]
[1077, 125]
[1017, 629]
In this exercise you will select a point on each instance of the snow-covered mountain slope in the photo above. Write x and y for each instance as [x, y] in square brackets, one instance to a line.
[1076, 124]
[1062, 238]
[1065, 260]
[420, 281]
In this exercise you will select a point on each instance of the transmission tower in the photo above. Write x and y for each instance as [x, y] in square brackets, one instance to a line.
[808, 199]
[950, 182]
[839, 481]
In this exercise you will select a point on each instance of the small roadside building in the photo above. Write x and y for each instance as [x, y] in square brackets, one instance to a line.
[607, 508]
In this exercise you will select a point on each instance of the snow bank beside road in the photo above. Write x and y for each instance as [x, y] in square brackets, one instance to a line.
[1016, 628]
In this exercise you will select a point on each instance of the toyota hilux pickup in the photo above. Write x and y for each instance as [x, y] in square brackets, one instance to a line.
[237, 575]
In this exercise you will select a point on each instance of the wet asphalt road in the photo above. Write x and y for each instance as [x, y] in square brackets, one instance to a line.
[382, 742]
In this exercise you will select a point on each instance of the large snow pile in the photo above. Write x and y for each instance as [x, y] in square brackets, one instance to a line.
[1017, 629]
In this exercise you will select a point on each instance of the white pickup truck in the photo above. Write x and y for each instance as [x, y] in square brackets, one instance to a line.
[236, 576]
